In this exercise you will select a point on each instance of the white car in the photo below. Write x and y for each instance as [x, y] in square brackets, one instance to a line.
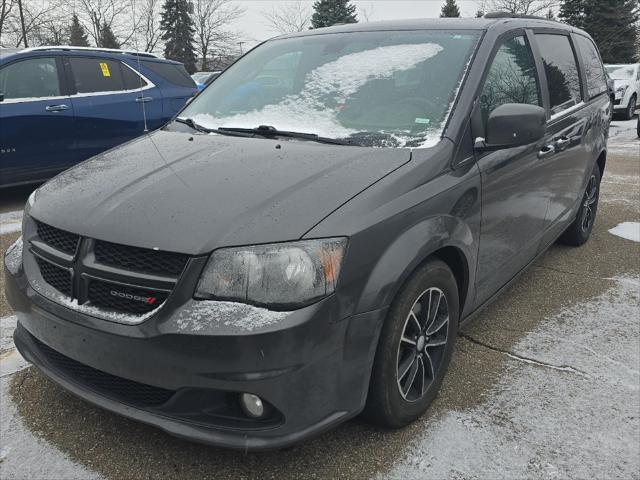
[626, 79]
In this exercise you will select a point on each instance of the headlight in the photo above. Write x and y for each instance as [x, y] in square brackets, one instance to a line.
[622, 90]
[278, 275]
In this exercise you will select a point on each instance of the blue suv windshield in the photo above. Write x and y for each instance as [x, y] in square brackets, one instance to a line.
[374, 88]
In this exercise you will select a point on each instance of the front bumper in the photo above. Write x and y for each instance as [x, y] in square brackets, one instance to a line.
[312, 368]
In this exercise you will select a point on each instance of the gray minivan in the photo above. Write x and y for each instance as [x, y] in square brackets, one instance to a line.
[303, 241]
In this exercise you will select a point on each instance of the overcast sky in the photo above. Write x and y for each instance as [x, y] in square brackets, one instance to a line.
[253, 27]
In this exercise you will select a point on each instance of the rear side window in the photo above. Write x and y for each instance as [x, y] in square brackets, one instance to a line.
[561, 70]
[32, 78]
[511, 78]
[93, 75]
[171, 72]
[594, 70]
[132, 80]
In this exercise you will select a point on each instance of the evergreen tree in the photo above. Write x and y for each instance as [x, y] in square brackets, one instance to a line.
[611, 23]
[178, 33]
[107, 38]
[331, 12]
[77, 34]
[572, 12]
[450, 9]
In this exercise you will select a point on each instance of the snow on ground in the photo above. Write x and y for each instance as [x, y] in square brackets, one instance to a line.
[623, 137]
[596, 408]
[10, 359]
[26, 456]
[10, 222]
[628, 230]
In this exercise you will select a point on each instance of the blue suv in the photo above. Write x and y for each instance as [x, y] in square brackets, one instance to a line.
[62, 105]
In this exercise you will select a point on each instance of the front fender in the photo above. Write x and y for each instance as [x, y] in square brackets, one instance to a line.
[394, 225]
[409, 250]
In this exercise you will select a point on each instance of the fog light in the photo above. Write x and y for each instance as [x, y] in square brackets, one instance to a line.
[252, 405]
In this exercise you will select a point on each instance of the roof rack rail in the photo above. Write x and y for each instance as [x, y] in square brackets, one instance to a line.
[514, 15]
[90, 49]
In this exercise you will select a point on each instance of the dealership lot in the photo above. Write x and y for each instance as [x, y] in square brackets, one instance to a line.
[545, 382]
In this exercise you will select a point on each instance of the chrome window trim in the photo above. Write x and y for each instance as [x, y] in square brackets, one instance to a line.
[148, 86]
[568, 110]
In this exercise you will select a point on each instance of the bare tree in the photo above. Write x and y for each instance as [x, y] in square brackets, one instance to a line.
[115, 14]
[366, 13]
[522, 7]
[26, 25]
[289, 17]
[212, 19]
[149, 25]
[5, 17]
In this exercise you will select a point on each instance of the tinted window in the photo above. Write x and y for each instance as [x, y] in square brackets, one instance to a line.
[171, 72]
[96, 75]
[594, 70]
[131, 79]
[511, 78]
[561, 69]
[36, 77]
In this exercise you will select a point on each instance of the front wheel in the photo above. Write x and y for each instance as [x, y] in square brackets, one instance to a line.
[631, 108]
[580, 230]
[415, 347]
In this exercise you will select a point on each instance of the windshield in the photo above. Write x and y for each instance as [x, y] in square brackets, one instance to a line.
[618, 72]
[373, 88]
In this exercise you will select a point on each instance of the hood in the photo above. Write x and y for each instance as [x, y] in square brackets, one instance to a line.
[621, 83]
[193, 193]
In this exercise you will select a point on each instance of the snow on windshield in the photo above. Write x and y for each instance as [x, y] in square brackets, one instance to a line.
[306, 111]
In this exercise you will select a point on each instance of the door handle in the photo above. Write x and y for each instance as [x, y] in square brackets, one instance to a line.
[546, 151]
[562, 143]
[56, 108]
[144, 99]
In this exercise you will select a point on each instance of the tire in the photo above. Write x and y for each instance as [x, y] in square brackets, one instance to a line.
[631, 108]
[390, 402]
[580, 229]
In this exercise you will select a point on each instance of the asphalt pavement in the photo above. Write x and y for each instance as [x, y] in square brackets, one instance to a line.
[545, 383]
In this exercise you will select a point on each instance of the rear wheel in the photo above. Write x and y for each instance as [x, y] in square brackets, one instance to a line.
[580, 230]
[415, 347]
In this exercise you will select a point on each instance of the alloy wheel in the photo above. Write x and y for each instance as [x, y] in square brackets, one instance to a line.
[422, 344]
[589, 203]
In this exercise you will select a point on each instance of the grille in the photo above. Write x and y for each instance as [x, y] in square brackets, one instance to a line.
[58, 239]
[141, 260]
[58, 278]
[127, 391]
[100, 295]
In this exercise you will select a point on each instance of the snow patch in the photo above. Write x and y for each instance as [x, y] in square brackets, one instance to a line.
[627, 230]
[13, 257]
[307, 112]
[10, 227]
[91, 310]
[7, 326]
[541, 423]
[232, 314]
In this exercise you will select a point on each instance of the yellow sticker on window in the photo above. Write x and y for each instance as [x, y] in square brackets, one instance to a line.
[105, 69]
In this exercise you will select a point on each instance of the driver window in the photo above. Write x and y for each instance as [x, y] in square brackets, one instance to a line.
[32, 78]
[511, 78]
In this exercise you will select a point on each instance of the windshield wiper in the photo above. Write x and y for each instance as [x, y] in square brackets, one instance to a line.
[196, 126]
[269, 131]
[202, 129]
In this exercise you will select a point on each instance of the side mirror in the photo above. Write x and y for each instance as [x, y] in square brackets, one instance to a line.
[513, 125]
